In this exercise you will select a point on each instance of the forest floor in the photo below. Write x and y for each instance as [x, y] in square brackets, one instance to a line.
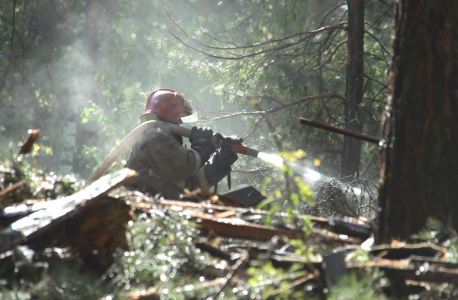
[63, 239]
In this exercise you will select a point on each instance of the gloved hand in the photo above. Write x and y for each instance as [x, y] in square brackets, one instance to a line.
[222, 161]
[225, 154]
[199, 133]
[200, 142]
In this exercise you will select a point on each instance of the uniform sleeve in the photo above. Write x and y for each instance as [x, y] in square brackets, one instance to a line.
[167, 158]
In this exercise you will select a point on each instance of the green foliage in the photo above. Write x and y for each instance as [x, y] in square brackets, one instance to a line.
[164, 260]
[362, 286]
[134, 98]
[273, 283]
[40, 184]
[52, 278]
[69, 281]
[438, 233]
[286, 192]
[162, 254]
[16, 294]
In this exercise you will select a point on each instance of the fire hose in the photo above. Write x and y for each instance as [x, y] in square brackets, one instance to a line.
[130, 138]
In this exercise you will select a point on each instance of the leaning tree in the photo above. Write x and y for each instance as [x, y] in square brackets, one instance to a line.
[420, 130]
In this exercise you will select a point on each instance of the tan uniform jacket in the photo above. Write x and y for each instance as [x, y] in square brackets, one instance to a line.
[164, 165]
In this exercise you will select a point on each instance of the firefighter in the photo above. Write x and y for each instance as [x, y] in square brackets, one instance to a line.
[164, 165]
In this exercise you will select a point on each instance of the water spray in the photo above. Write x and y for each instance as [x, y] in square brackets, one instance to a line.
[311, 176]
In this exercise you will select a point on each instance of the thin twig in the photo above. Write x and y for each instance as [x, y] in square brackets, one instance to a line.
[255, 126]
[13, 21]
[12, 188]
[240, 263]
[344, 212]
[321, 66]
[309, 34]
[288, 105]
[253, 171]
[294, 284]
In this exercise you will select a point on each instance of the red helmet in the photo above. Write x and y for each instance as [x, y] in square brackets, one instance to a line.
[168, 104]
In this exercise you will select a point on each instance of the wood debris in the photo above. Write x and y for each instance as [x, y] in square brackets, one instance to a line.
[27, 145]
[91, 224]
[11, 188]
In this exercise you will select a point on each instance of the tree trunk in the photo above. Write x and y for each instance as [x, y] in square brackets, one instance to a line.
[354, 92]
[420, 128]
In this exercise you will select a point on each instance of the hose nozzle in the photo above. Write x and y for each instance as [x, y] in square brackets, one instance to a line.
[242, 149]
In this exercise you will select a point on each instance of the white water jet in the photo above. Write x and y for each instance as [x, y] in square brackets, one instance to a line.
[311, 176]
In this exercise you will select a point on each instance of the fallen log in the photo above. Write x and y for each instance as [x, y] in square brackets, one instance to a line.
[47, 214]
[406, 269]
[406, 250]
[239, 228]
[351, 227]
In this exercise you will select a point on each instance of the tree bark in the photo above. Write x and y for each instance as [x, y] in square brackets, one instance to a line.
[419, 156]
[351, 155]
